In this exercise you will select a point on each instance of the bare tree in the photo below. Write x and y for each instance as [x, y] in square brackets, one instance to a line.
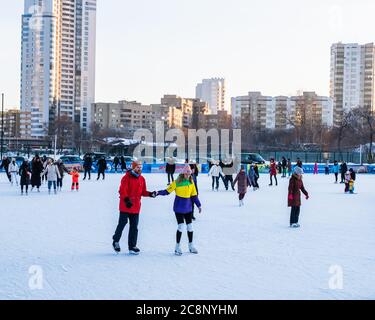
[64, 129]
[366, 126]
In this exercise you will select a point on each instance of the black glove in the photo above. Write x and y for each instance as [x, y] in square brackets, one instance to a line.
[128, 203]
[153, 194]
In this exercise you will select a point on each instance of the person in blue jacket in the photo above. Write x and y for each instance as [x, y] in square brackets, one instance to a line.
[336, 170]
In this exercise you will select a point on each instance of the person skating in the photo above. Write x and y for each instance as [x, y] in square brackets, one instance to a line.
[290, 168]
[116, 162]
[25, 175]
[316, 168]
[215, 172]
[52, 174]
[62, 169]
[349, 183]
[279, 167]
[102, 166]
[132, 189]
[284, 165]
[326, 168]
[5, 164]
[243, 181]
[186, 196]
[229, 170]
[194, 174]
[253, 176]
[299, 163]
[294, 196]
[87, 166]
[170, 169]
[14, 170]
[352, 180]
[256, 176]
[36, 171]
[336, 170]
[123, 164]
[222, 176]
[75, 179]
[45, 162]
[343, 171]
[273, 172]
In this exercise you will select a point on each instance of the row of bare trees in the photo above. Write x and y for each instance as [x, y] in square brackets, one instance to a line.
[357, 127]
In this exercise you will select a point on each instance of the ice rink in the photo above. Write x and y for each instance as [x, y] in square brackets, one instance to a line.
[244, 253]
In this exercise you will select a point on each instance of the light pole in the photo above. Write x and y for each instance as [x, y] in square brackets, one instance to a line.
[2, 126]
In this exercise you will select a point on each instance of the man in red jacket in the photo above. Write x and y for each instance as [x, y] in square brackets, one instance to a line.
[132, 189]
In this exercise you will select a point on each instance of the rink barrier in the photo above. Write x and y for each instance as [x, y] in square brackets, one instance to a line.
[204, 168]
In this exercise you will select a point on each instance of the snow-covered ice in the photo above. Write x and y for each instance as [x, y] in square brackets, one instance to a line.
[244, 253]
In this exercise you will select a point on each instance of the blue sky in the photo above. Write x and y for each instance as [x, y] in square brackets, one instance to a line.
[147, 48]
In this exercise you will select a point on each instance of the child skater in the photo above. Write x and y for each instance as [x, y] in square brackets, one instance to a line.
[75, 179]
[243, 183]
[186, 195]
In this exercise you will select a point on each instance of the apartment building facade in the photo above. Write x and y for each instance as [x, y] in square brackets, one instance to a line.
[352, 78]
[265, 112]
[58, 62]
[213, 92]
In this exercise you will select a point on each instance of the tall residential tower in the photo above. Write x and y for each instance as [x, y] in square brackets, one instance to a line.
[352, 78]
[58, 62]
[212, 91]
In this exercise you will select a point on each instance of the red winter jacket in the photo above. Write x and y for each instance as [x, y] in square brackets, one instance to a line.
[273, 170]
[294, 191]
[134, 188]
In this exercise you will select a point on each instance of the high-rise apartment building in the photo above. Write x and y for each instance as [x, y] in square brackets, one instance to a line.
[352, 78]
[58, 62]
[213, 92]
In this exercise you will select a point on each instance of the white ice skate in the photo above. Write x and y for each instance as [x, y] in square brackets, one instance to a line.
[192, 249]
[295, 225]
[178, 251]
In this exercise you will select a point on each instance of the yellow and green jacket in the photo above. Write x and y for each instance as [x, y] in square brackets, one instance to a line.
[186, 196]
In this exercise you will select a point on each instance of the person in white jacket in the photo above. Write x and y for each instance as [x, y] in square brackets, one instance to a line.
[13, 170]
[215, 173]
[52, 173]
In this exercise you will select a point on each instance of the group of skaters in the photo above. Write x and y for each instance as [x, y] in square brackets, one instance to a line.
[347, 176]
[101, 165]
[133, 188]
[40, 170]
[185, 186]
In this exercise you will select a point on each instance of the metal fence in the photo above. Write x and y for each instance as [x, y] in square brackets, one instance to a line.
[320, 157]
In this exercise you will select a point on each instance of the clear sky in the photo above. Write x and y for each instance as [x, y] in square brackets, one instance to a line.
[147, 48]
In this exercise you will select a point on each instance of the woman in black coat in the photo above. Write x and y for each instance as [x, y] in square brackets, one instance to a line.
[36, 170]
[170, 169]
[25, 176]
[123, 164]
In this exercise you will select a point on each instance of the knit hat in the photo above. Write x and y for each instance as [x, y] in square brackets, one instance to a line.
[187, 170]
[298, 170]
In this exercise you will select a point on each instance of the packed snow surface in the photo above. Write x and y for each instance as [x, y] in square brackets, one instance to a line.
[244, 253]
